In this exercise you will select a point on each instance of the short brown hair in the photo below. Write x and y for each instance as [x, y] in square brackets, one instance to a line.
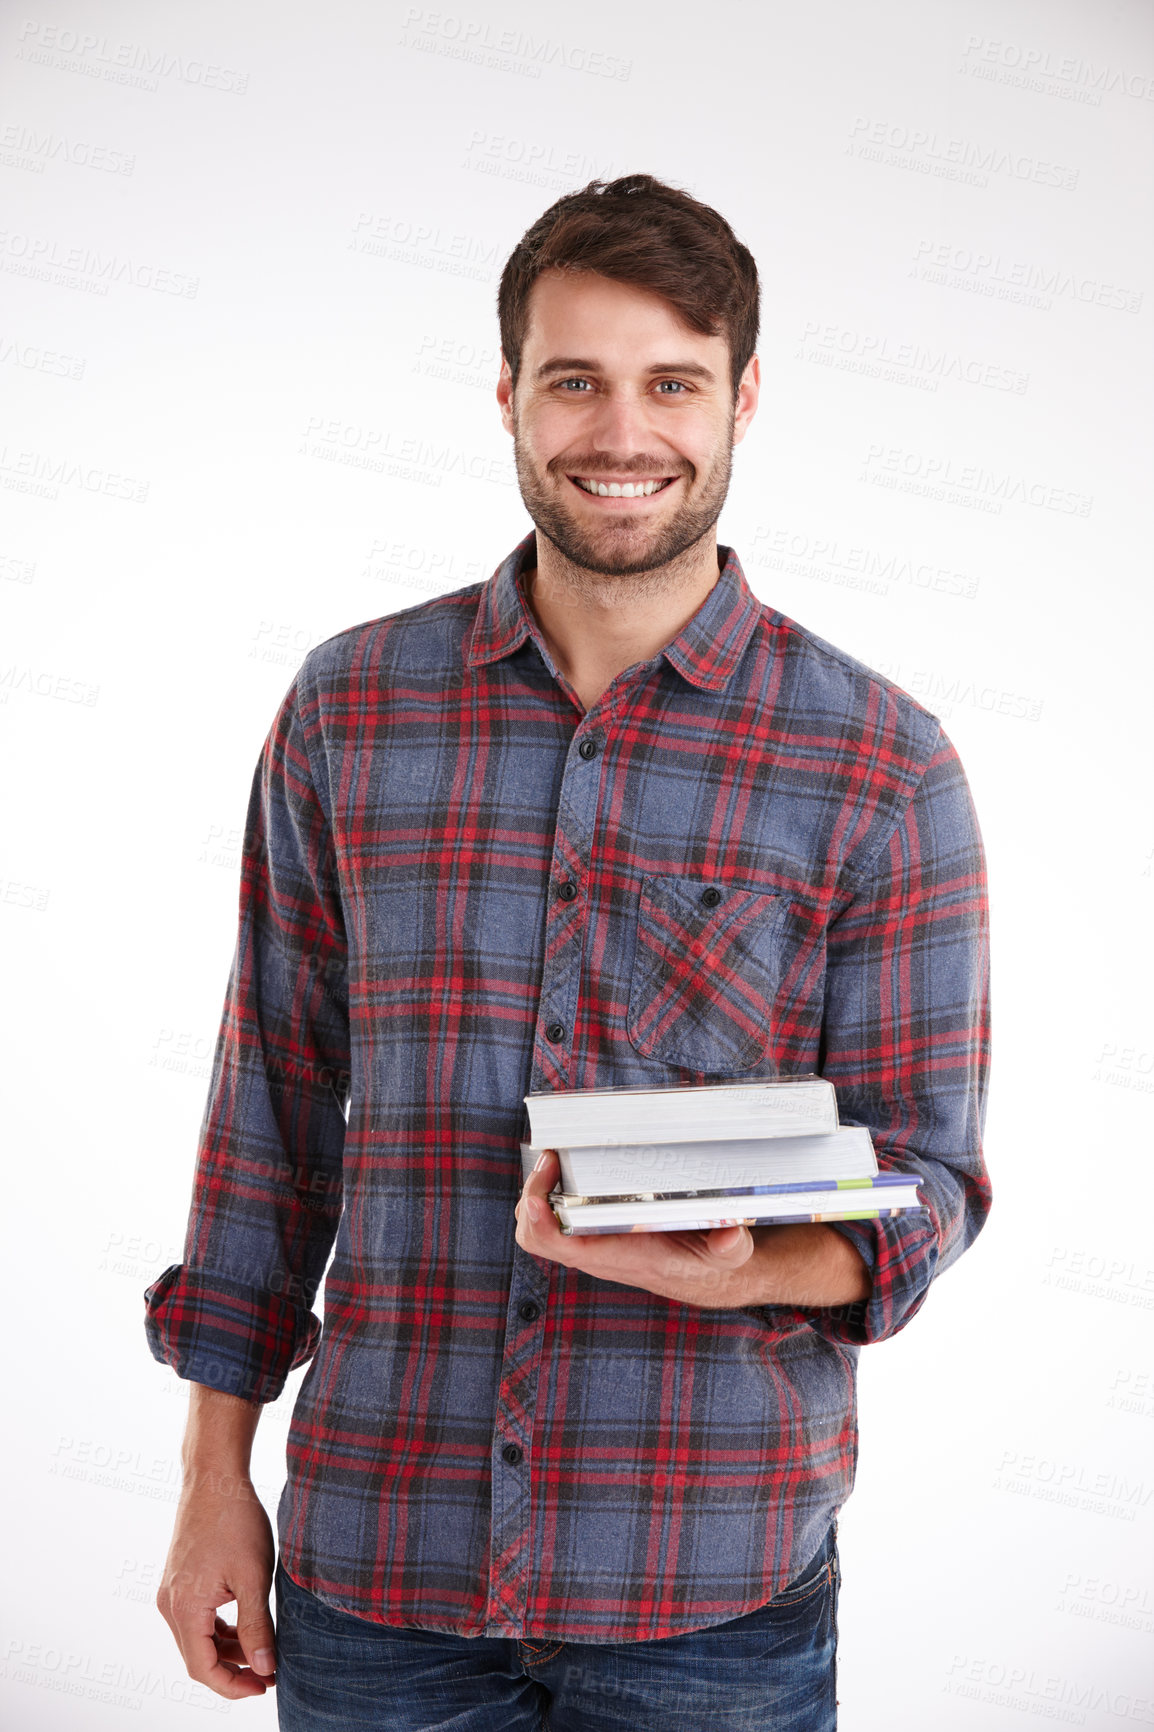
[640, 230]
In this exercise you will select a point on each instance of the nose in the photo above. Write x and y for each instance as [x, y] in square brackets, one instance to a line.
[621, 423]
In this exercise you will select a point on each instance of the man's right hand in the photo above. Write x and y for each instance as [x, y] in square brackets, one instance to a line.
[222, 1550]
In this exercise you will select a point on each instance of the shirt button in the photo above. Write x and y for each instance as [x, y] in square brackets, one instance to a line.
[567, 890]
[528, 1310]
[555, 1031]
[711, 897]
[512, 1454]
[587, 748]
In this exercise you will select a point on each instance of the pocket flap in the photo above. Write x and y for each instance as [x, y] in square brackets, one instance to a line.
[706, 968]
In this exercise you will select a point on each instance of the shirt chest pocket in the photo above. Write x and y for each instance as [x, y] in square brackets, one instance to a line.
[722, 975]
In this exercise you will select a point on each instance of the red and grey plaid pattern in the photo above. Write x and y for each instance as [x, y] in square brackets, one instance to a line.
[777, 869]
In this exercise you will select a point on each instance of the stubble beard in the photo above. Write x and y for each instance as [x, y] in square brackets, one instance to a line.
[644, 561]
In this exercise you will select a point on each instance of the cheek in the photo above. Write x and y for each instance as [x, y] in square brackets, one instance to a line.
[712, 463]
[547, 438]
[701, 443]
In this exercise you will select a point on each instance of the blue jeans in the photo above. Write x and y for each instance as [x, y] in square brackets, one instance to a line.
[774, 1670]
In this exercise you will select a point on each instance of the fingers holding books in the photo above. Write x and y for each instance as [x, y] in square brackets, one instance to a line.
[697, 1268]
[533, 1205]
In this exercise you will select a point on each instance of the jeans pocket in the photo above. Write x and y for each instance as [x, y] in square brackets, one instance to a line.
[817, 1574]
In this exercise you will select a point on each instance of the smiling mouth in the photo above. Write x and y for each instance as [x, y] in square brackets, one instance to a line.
[645, 488]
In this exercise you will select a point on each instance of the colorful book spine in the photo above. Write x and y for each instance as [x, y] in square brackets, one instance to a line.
[703, 1226]
[877, 1182]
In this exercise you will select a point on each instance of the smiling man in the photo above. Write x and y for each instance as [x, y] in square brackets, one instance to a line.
[605, 820]
[623, 432]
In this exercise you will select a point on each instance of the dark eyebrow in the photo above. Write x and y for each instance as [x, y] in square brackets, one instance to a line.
[687, 369]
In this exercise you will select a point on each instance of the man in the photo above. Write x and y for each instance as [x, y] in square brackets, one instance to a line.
[595, 1475]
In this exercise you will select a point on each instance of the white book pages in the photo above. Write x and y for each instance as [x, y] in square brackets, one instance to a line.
[767, 1107]
[609, 1169]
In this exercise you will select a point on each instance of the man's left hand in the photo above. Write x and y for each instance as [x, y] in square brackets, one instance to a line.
[698, 1268]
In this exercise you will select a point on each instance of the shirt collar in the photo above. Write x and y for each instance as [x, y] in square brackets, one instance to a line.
[705, 651]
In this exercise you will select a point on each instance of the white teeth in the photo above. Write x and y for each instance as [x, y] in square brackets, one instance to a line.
[615, 490]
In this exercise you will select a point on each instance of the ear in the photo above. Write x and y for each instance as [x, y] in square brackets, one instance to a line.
[505, 394]
[747, 396]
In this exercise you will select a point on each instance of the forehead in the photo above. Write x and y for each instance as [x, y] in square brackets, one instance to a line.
[586, 312]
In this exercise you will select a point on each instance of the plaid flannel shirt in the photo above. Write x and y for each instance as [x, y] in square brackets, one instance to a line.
[486, 1442]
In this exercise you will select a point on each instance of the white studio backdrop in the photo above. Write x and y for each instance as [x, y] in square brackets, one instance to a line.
[249, 260]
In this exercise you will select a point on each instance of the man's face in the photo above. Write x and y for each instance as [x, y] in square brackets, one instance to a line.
[615, 391]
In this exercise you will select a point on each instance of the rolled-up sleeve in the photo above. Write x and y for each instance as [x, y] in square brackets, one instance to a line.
[906, 1042]
[236, 1313]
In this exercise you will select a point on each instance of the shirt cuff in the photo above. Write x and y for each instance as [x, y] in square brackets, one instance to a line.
[240, 1339]
[901, 1256]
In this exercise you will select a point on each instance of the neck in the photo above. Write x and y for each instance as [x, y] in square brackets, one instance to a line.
[596, 625]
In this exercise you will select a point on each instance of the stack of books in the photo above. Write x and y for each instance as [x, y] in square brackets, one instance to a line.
[639, 1160]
